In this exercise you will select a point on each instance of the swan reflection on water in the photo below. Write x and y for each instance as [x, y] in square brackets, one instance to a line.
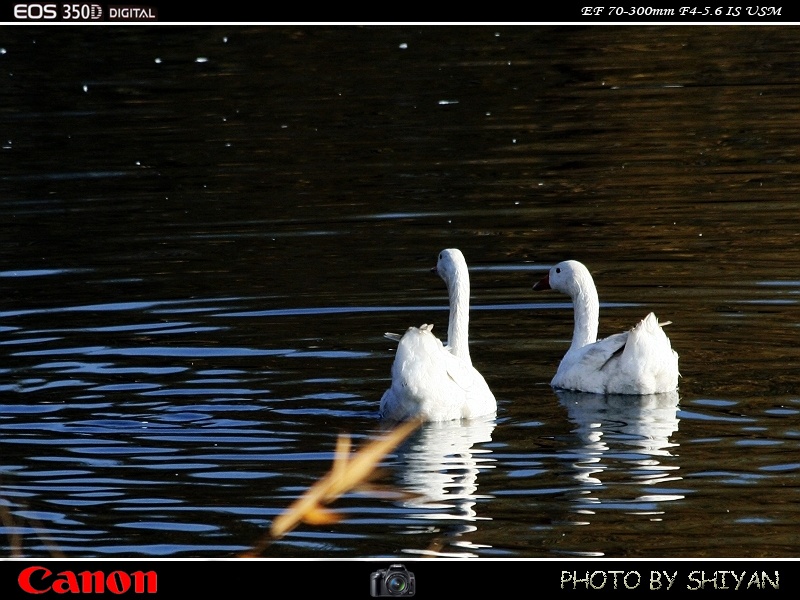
[440, 465]
[624, 439]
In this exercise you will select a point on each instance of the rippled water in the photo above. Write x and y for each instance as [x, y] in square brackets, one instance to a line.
[205, 232]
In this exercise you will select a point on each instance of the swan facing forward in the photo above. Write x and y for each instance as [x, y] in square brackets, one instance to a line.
[433, 381]
[638, 361]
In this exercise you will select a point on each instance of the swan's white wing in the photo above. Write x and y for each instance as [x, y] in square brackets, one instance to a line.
[588, 368]
[476, 397]
[603, 353]
[463, 374]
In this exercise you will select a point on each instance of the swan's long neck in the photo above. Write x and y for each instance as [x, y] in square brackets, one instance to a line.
[458, 329]
[587, 313]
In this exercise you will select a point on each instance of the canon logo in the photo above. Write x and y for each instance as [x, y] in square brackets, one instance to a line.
[40, 580]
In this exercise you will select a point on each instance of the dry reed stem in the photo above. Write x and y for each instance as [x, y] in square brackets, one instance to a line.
[346, 473]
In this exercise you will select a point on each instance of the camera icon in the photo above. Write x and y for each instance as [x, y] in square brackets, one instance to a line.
[395, 580]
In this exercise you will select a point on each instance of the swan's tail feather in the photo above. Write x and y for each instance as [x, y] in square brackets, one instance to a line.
[396, 337]
[651, 322]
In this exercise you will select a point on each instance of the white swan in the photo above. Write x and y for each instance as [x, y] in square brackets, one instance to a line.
[433, 381]
[639, 361]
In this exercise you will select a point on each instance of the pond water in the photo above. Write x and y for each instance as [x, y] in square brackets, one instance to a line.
[206, 231]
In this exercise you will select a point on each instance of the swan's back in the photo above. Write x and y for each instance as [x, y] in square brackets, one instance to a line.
[639, 361]
[430, 382]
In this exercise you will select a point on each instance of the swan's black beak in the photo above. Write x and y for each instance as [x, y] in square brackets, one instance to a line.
[542, 284]
[434, 270]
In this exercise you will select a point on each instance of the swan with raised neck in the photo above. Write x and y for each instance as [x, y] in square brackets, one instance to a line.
[433, 381]
[639, 361]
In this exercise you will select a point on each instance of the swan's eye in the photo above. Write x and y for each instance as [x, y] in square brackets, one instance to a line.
[558, 270]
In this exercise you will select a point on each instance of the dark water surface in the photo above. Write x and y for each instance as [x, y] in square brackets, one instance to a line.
[205, 232]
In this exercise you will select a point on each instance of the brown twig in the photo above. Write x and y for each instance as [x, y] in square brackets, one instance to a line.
[347, 473]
